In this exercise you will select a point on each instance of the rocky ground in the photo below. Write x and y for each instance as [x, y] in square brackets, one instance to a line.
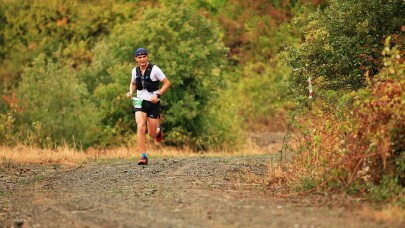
[170, 192]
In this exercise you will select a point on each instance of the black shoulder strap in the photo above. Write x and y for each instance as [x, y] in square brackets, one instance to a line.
[148, 70]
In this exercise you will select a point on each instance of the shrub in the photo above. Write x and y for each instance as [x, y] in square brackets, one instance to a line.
[342, 43]
[55, 106]
[188, 48]
[7, 129]
[357, 143]
[378, 140]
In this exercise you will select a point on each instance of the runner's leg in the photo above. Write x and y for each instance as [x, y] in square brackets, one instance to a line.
[140, 118]
[152, 127]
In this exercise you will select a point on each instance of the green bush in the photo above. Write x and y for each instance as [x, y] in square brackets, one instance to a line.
[379, 114]
[62, 30]
[351, 133]
[7, 129]
[356, 142]
[55, 107]
[188, 48]
[264, 90]
[342, 43]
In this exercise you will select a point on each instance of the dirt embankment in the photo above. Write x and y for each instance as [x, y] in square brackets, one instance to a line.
[170, 192]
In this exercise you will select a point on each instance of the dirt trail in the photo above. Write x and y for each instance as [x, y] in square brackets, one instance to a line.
[171, 192]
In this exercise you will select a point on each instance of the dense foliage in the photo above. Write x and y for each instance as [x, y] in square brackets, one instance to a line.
[187, 47]
[342, 43]
[351, 133]
[210, 50]
[55, 106]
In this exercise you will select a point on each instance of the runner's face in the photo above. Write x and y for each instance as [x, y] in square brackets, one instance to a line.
[142, 60]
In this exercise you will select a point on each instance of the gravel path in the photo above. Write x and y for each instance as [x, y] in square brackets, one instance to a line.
[170, 192]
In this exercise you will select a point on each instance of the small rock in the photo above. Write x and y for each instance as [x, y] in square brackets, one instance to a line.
[18, 222]
[150, 192]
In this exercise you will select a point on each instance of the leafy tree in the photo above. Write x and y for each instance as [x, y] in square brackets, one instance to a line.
[255, 29]
[64, 30]
[342, 43]
[256, 32]
[55, 106]
[67, 31]
[188, 48]
[352, 132]
[32, 27]
[355, 143]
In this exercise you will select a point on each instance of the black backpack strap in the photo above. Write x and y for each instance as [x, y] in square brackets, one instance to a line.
[148, 70]
[139, 79]
[144, 81]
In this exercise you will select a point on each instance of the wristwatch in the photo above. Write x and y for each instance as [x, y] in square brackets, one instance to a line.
[158, 95]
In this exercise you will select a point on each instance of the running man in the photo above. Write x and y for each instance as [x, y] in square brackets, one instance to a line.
[145, 79]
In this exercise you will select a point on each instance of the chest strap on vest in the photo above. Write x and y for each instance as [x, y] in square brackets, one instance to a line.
[144, 81]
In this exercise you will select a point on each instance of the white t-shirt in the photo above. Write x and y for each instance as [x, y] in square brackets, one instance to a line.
[156, 74]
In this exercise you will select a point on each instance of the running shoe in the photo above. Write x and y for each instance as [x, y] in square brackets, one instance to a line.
[159, 137]
[143, 161]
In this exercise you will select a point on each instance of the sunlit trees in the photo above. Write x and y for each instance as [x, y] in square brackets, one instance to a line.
[188, 48]
[351, 133]
[95, 41]
[342, 43]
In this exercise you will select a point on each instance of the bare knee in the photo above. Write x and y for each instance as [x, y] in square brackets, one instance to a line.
[152, 134]
[141, 127]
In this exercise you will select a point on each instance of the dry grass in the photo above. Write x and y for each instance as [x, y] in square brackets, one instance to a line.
[20, 154]
[389, 215]
[32, 155]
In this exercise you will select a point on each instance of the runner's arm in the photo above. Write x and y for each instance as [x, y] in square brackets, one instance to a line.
[132, 87]
[165, 87]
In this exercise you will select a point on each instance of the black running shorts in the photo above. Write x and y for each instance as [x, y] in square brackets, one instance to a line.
[151, 110]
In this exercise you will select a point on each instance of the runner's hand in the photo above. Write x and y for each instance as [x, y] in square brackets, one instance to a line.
[129, 95]
[154, 99]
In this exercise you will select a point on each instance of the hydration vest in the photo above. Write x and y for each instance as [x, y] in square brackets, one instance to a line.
[144, 81]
